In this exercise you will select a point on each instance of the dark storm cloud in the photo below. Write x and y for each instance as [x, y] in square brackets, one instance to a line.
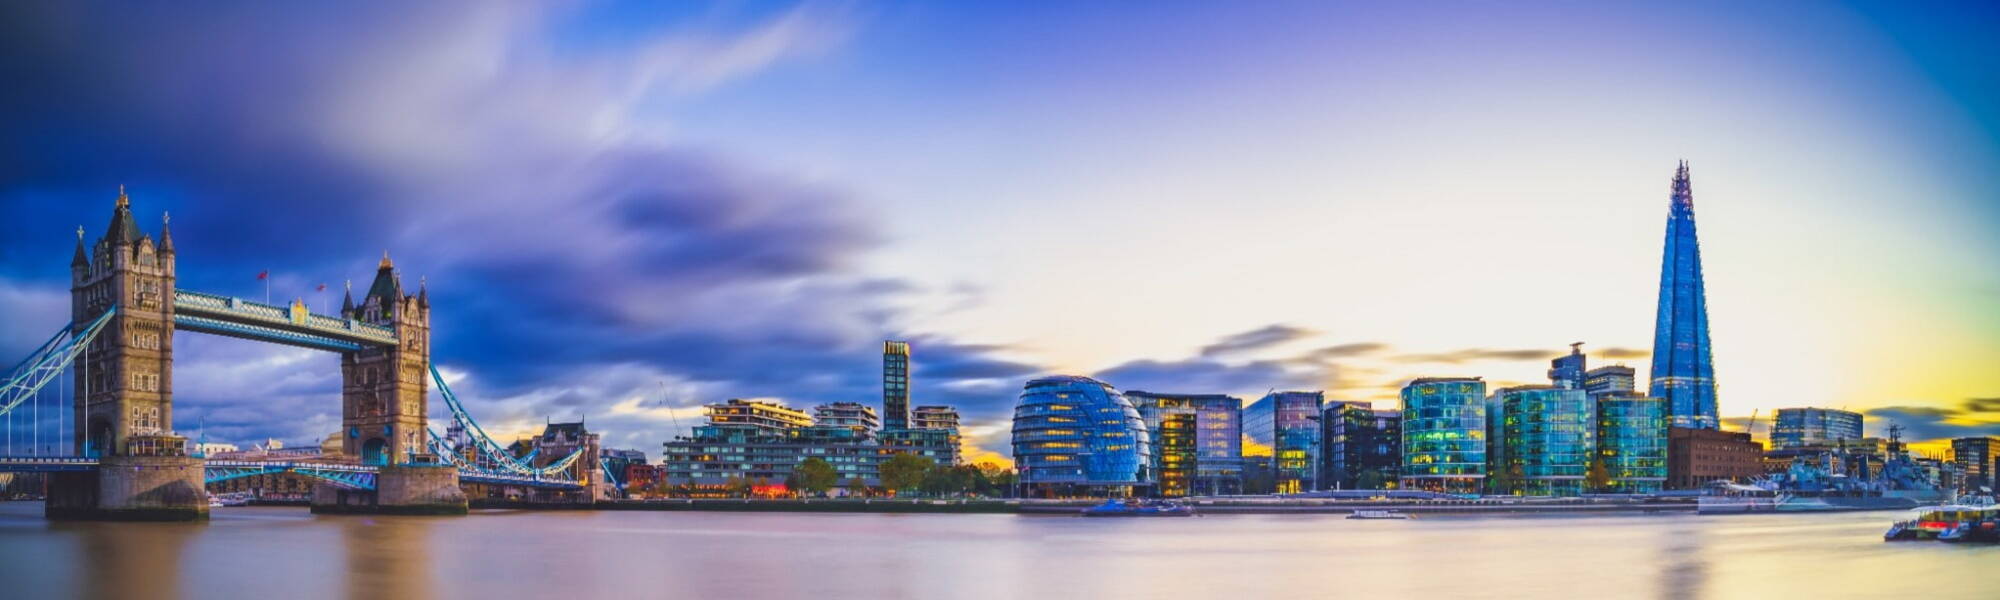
[1975, 418]
[1255, 339]
[1615, 353]
[1347, 350]
[570, 270]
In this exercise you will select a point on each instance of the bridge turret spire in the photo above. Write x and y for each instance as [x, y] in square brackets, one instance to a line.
[347, 301]
[166, 233]
[122, 229]
[79, 260]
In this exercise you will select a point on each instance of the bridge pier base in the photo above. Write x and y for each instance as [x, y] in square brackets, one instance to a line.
[399, 490]
[131, 488]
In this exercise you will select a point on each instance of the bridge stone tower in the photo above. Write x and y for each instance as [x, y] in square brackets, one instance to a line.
[384, 390]
[124, 382]
[384, 400]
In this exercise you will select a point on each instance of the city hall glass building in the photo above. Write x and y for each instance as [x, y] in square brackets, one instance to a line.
[1077, 436]
[1444, 434]
[1550, 437]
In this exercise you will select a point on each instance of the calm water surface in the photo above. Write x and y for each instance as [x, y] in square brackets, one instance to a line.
[273, 553]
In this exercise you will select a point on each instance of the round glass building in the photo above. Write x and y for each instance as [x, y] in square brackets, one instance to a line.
[1077, 436]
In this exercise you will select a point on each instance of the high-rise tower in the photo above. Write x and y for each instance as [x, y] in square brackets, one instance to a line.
[1568, 371]
[1683, 373]
[895, 385]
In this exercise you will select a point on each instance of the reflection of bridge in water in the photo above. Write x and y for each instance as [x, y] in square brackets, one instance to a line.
[124, 462]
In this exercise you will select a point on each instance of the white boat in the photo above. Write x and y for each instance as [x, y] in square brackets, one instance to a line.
[1377, 514]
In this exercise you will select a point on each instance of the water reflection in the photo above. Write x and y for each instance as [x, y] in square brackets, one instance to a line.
[130, 560]
[387, 557]
[1683, 563]
[287, 553]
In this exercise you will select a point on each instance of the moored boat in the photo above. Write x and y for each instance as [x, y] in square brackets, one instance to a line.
[1117, 508]
[1377, 514]
[1949, 523]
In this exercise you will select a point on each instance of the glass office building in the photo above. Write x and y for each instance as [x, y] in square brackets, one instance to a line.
[1568, 371]
[1802, 427]
[1361, 447]
[1077, 436]
[1197, 441]
[1444, 434]
[1550, 439]
[1289, 423]
[1615, 379]
[1632, 443]
[895, 385]
[1218, 444]
[1683, 372]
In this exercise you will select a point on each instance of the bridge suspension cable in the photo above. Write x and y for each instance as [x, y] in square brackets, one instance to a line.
[48, 362]
[604, 465]
[483, 444]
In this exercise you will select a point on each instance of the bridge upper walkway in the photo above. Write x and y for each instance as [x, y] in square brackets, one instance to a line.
[294, 325]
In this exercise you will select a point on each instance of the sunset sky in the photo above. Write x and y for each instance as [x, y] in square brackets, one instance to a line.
[627, 210]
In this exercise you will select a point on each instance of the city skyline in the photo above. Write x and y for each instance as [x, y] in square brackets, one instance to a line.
[1304, 212]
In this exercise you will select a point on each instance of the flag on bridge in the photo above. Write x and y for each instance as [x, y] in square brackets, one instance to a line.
[322, 288]
[263, 275]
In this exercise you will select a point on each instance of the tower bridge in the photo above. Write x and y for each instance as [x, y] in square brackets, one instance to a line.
[124, 461]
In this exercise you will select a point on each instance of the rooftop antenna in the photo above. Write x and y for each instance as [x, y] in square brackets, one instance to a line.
[670, 409]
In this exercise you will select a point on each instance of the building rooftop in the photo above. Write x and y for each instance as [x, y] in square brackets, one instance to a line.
[1424, 380]
[1064, 379]
[1188, 396]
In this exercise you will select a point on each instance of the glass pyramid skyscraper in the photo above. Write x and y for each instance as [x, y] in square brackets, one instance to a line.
[1683, 373]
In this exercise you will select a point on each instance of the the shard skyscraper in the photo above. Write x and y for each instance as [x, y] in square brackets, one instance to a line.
[1683, 373]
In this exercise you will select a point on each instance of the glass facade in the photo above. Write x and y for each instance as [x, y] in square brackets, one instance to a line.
[939, 445]
[1361, 447]
[1550, 438]
[722, 451]
[766, 417]
[1218, 445]
[1976, 458]
[1196, 441]
[1801, 427]
[1077, 436]
[1683, 373]
[895, 385]
[1615, 379]
[1444, 434]
[1290, 423]
[1568, 371]
[1632, 443]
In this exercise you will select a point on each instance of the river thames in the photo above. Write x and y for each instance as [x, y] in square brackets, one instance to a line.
[267, 553]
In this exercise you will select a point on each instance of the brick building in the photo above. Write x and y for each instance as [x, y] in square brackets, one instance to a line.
[1698, 456]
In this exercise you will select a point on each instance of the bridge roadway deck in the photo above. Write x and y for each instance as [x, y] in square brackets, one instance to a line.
[51, 464]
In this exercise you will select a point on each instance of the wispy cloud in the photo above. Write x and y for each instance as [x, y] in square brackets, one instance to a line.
[1475, 354]
[1255, 339]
